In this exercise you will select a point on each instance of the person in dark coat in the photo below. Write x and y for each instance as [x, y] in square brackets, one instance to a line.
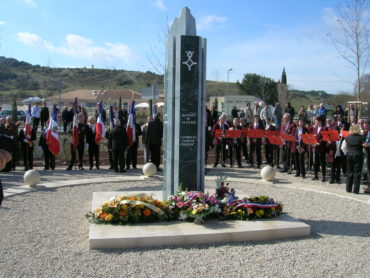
[367, 148]
[118, 142]
[299, 148]
[49, 157]
[234, 113]
[5, 157]
[110, 153]
[235, 145]
[123, 116]
[220, 142]
[290, 110]
[80, 146]
[338, 112]
[44, 115]
[70, 116]
[244, 124]
[214, 115]
[27, 147]
[355, 159]
[65, 118]
[93, 148]
[11, 129]
[131, 157]
[256, 143]
[155, 135]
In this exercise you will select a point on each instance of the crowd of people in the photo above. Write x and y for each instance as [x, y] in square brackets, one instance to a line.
[346, 157]
[122, 153]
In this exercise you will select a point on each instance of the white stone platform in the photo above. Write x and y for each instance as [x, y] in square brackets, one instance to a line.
[184, 233]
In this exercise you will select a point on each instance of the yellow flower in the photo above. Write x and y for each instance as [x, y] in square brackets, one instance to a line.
[124, 207]
[261, 212]
[194, 211]
[109, 217]
[250, 211]
[233, 213]
[273, 209]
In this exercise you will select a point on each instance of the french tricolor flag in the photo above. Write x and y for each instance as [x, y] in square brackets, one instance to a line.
[28, 124]
[99, 127]
[75, 135]
[111, 117]
[130, 129]
[52, 138]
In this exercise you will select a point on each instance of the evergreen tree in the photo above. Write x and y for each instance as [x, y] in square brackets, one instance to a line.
[283, 77]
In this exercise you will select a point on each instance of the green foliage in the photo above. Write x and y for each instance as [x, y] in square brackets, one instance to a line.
[260, 86]
[283, 77]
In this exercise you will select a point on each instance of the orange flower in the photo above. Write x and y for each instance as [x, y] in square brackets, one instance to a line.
[123, 213]
[103, 215]
[137, 211]
[147, 212]
[131, 198]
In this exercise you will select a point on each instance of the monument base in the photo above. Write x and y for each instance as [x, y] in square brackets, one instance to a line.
[162, 234]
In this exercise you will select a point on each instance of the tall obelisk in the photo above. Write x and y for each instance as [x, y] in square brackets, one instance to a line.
[184, 118]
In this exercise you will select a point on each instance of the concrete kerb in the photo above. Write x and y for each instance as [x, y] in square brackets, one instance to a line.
[8, 192]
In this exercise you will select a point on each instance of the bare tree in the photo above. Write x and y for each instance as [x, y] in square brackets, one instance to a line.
[156, 55]
[352, 40]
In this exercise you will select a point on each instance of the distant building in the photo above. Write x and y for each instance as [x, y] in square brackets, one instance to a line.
[89, 98]
[239, 101]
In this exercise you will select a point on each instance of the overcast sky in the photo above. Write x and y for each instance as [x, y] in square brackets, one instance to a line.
[249, 36]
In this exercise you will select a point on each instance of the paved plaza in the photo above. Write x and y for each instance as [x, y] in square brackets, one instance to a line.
[44, 232]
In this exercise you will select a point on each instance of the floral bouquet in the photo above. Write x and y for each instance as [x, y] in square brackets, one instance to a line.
[246, 208]
[129, 209]
[191, 205]
[186, 206]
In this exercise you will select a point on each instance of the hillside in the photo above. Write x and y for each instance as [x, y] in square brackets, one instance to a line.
[23, 79]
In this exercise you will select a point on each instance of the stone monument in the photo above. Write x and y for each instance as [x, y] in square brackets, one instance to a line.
[184, 116]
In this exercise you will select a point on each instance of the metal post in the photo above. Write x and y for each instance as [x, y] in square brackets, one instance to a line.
[227, 91]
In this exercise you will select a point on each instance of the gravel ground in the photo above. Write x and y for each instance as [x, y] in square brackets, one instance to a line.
[44, 234]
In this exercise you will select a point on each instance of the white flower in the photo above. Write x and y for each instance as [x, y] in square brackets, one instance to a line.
[183, 216]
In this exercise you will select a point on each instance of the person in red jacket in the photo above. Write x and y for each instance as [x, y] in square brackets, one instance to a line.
[287, 128]
[320, 151]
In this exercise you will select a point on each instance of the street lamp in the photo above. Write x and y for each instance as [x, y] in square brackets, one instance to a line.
[227, 90]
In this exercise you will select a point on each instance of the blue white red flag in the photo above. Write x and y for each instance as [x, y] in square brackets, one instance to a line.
[155, 112]
[111, 117]
[75, 135]
[130, 128]
[52, 137]
[99, 127]
[28, 124]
